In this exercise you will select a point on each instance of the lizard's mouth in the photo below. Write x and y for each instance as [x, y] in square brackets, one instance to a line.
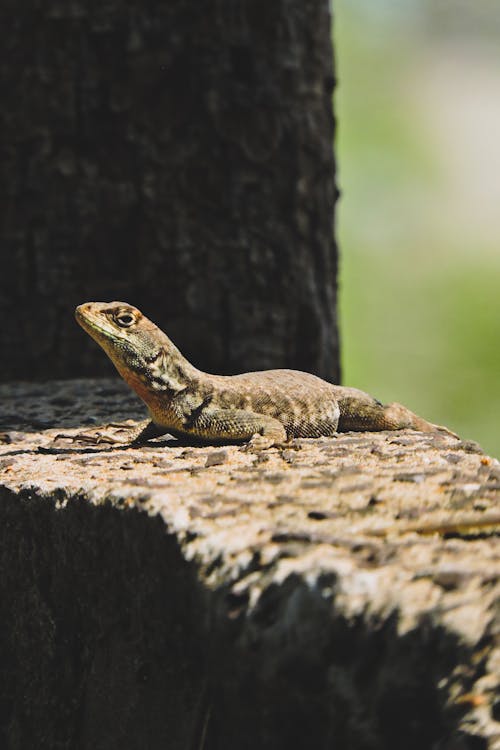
[80, 314]
[90, 322]
[87, 321]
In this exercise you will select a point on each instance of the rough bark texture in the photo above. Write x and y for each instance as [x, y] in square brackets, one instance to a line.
[340, 594]
[176, 158]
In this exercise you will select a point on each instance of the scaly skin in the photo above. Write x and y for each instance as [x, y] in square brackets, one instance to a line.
[275, 404]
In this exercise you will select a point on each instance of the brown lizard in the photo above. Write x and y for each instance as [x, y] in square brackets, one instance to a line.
[274, 405]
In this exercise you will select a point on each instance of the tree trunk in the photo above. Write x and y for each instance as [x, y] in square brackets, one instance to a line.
[178, 159]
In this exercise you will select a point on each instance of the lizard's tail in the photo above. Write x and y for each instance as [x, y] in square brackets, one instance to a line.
[359, 411]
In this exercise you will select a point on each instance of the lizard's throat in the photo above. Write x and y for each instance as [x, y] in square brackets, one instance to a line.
[153, 379]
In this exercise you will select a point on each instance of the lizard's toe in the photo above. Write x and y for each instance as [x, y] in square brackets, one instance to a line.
[260, 442]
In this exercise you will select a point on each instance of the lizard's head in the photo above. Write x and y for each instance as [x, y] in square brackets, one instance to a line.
[126, 335]
[143, 355]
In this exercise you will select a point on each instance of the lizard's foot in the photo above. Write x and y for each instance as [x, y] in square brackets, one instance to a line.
[96, 438]
[445, 430]
[261, 442]
[398, 417]
[258, 443]
[141, 433]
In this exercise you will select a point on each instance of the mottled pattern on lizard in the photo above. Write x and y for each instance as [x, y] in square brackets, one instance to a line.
[184, 401]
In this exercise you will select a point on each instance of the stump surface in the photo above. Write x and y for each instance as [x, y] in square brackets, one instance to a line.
[338, 593]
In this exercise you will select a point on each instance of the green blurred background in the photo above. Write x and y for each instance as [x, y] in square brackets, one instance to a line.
[418, 152]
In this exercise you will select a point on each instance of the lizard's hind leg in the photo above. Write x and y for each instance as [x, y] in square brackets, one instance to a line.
[360, 411]
[237, 425]
[398, 417]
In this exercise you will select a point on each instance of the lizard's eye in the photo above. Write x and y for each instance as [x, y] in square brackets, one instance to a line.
[124, 319]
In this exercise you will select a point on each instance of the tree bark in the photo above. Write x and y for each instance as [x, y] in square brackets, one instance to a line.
[176, 158]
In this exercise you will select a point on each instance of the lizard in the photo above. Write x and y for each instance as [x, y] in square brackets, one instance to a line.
[273, 406]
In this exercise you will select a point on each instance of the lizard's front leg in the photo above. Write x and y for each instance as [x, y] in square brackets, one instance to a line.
[237, 425]
[147, 430]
